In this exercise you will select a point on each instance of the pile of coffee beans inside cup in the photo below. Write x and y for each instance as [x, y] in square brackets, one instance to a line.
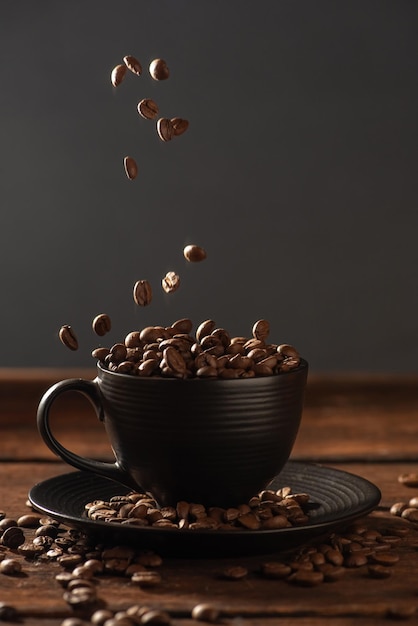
[172, 351]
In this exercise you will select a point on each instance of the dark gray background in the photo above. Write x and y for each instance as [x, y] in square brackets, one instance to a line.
[298, 174]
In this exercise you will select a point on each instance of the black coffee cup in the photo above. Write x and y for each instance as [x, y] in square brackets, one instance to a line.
[213, 442]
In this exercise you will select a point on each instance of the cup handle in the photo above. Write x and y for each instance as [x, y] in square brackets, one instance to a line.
[90, 390]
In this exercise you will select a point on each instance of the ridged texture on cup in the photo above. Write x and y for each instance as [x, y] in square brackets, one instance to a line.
[216, 442]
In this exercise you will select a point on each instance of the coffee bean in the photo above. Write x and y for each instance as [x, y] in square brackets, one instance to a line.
[158, 69]
[170, 282]
[408, 480]
[148, 109]
[133, 64]
[148, 578]
[117, 75]
[100, 616]
[10, 567]
[261, 329]
[101, 324]
[235, 572]
[155, 616]
[100, 354]
[194, 253]
[68, 337]
[13, 537]
[305, 578]
[385, 558]
[8, 613]
[28, 521]
[411, 514]
[413, 502]
[275, 570]
[165, 129]
[205, 612]
[142, 293]
[131, 167]
[179, 125]
[174, 360]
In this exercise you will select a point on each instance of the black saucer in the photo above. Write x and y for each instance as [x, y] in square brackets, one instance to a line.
[336, 499]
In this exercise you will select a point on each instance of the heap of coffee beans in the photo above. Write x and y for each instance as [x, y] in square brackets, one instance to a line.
[269, 510]
[172, 351]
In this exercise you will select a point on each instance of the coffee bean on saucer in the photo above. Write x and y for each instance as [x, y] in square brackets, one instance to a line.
[68, 337]
[158, 69]
[133, 64]
[131, 168]
[118, 74]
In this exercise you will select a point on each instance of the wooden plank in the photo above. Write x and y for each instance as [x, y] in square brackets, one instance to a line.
[256, 600]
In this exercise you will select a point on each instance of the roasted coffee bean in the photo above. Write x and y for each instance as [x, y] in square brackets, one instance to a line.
[148, 109]
[142, 292]
[133, 64]
[413, 502]
[235, 572]
[165, 129]
[261, 330]
[409, 480]
[118, 74]
[276, 570]
[170, 282]
[411, 514]
[8, 613]
[158, 69]
[155, 616]
[100, 354]
[205, 612]
[72, 621]
[68, 337]
[179, 125]
[131, 167]
[10, 567]
[147, 578]
[194, 253]
[101, 324]
[13, 537]
[100, 616]
[306, 578]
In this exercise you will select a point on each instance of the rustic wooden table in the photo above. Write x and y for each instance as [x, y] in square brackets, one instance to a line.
[365, 425]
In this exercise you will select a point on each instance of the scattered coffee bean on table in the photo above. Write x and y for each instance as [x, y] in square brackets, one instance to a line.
[409, 480]
[68, 337]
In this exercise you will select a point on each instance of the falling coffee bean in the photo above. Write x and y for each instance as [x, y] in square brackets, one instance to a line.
[118, 74]
[148, 108]
[101, 324]
[131, 168]
[68, 337]
[164, 129]
[142, 293]
[179, 125]
[158, 69]
[133, 64]
[194, 254]
[170, 282]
